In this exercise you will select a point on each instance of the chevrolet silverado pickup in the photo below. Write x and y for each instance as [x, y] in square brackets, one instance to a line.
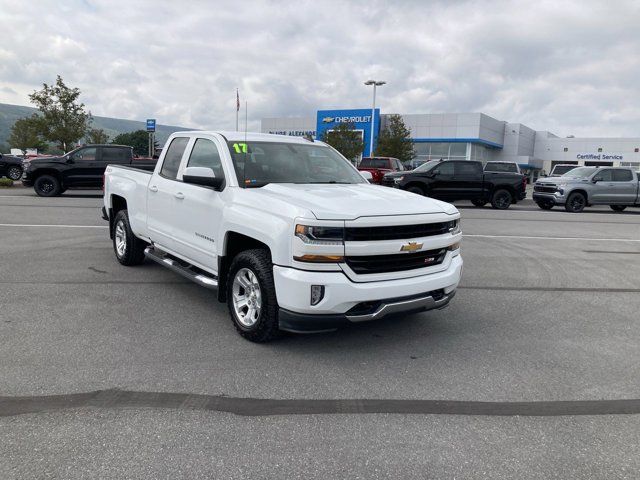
[584, 186]
[452, 180]
[82, 167]
[289, 233]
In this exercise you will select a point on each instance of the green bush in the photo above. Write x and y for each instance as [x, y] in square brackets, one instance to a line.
[6, 182]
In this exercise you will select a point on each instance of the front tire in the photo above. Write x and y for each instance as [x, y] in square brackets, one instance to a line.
[617, 208]
[501, 199]
[14, 173]
[47, 186]
[251, 296]
[417, 190]
[575, 203]
[128, 248]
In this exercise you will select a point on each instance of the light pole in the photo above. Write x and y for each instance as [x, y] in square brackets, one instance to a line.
[375, 84]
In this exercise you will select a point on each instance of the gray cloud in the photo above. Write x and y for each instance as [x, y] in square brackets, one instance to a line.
[570, 67]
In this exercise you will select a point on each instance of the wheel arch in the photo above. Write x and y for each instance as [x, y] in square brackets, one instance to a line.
[234, 243]
[117, 203]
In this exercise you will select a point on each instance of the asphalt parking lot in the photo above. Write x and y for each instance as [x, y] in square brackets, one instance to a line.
[547, 311]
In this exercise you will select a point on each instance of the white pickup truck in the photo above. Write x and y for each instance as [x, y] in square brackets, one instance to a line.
[287, 231]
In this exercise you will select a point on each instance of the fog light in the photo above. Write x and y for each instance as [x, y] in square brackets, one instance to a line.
[317, 294]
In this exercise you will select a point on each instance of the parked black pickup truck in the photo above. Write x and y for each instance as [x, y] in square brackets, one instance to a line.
[82, 167]
[451, 180]
[10, 166]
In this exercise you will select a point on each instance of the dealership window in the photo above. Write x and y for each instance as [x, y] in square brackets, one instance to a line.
[635, 165]
[599, 149]
[440, 150]
[566, 149]
[636, 149]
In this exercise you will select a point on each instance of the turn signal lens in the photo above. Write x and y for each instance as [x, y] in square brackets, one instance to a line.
[320, 258]
[455, 246]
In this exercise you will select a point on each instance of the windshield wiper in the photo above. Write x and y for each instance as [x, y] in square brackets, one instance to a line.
[331, 182]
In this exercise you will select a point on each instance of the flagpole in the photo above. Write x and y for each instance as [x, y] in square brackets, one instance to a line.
[237, 107]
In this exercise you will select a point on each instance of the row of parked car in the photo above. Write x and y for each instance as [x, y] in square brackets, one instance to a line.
[501, 184]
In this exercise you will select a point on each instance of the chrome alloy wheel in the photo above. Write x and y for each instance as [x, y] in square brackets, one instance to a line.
[247, 297]
[121, 238]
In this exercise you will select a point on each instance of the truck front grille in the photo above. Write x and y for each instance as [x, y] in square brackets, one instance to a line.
[396, 262]
[545, 188]
[397, 232]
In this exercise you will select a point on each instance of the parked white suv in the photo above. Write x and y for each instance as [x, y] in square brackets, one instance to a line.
[286, 230]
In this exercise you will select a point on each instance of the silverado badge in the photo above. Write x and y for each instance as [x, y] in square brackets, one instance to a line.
[411, 247]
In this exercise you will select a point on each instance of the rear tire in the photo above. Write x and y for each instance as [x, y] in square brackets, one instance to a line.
[251, 296]
[128, 248]
[617, 208]
[575, 203]
[545, 205]
[47, 186]
[479, 203]
[14, 173]
[501, 199]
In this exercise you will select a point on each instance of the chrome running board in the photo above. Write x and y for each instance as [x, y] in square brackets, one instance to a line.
[187, 271]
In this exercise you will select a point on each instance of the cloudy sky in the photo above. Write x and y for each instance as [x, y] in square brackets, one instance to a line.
[564, 66]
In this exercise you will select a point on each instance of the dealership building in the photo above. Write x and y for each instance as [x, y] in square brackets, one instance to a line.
[471, 136]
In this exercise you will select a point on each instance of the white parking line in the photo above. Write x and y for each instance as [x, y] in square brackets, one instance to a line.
[582, 239]
[51, 226]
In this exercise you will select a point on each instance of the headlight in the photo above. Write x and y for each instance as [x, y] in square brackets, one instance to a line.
[454, 227]
[320, 235]
[398, 179]
[561, 185]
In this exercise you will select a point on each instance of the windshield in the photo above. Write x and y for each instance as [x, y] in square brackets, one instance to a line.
[562, 169]
[260, 163]
[580, 172]
[427, 166]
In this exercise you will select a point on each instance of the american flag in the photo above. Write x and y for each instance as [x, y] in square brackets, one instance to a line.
[237, 101]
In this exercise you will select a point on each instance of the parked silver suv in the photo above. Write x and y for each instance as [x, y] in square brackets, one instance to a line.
[586, 186]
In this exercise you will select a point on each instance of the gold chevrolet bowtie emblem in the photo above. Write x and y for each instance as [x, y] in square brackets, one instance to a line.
[411, 247]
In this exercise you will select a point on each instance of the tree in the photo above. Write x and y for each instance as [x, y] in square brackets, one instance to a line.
[395, 140]
[97, 135]
[345, 139]
[139, 140]
[64, 120]
[25, 134]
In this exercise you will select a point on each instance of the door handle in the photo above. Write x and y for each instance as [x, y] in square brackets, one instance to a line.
[179, 195]
[153, 188]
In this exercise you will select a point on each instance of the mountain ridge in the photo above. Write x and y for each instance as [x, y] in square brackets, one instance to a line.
[9, 113]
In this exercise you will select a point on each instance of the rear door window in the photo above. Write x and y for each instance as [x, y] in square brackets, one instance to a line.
[622, 176]
[115, 155]
[467, 168]
[172, 159]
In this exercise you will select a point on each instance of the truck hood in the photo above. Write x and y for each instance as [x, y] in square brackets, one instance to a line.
[348, 202]
[559, 180]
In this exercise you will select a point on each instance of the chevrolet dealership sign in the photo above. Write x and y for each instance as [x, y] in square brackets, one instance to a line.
[328, 120]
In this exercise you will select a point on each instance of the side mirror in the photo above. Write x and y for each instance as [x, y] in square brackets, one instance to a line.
[70, 159]
[431, 174]
[596, 179]
[202, 176]
[368, 176]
